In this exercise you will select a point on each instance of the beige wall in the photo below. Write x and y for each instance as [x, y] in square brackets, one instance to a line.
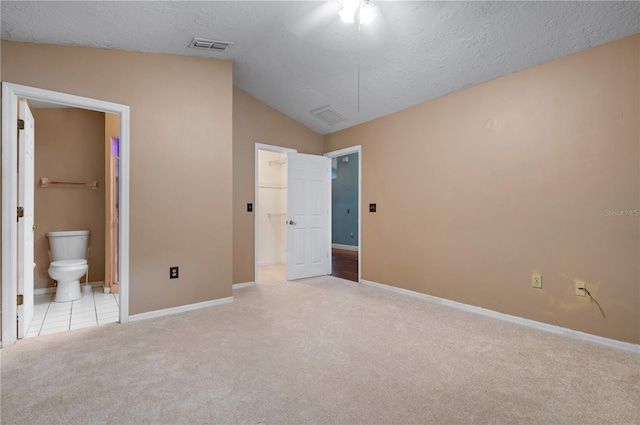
[255, 122]
[477, 190]
[181, 155]
[69, 147]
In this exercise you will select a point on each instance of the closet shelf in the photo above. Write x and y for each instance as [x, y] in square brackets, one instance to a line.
[272, 186]
[278, 162]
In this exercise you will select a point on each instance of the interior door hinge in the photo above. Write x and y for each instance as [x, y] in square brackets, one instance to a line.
[20, 299]
[20, 124]
[20, 212]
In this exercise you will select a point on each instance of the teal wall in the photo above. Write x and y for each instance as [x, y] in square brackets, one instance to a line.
[344, 201]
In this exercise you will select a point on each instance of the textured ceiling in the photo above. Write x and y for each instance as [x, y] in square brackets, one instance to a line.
[298, 56]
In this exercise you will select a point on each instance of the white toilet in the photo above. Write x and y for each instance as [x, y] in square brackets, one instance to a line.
[68, 262]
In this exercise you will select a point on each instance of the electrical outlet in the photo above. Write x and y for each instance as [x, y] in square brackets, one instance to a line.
[536, 281]
[173, 272]
[372, 207]
[580, 292]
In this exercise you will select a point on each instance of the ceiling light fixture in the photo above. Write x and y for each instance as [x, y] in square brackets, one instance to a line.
[362, 10]
[367, 14]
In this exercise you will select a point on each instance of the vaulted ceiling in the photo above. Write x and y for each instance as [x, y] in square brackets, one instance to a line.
[297, 56]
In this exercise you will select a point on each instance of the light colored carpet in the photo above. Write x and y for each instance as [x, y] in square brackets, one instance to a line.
[323, 351]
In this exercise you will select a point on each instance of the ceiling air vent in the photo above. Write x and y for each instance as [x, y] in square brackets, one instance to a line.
[328, 115]
[203, 43]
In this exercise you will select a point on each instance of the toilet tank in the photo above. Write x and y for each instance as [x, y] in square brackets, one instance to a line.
[68, 245]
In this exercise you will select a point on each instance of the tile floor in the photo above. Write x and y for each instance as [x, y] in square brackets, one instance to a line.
[96, 308]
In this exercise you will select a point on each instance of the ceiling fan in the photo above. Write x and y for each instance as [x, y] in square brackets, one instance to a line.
[360, 12]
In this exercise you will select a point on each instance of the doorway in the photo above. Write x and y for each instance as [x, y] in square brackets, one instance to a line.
[78, 161]
[11, 237]
[346, 213]
[272, 212]
[270, 207]
[297, 220]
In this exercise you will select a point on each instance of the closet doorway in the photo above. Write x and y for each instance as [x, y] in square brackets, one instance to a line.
[292, 213]
[270, 210]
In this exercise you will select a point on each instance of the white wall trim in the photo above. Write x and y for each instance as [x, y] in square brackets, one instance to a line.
[346, 151]
[243, 285]
[634, 348]
[52, 289]
[180, 309]
[42, 291]
[343, 152]
[345, 247]
[10, 94]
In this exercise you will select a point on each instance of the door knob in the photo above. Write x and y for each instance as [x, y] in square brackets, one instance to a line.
[291, 222]
[35, 227]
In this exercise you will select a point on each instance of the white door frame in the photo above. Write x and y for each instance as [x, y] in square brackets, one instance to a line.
[10, 94]
[346, 151]
[26, 225]
[256, 238]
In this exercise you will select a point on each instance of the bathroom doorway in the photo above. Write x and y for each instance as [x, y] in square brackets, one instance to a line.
[346, 212]
[80, 194]
[112, 185]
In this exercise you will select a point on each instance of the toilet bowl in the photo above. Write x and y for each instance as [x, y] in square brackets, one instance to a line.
[68, 273]
[69, 263]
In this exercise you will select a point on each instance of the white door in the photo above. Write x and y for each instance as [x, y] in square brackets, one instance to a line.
[308, 215]
[25, 224]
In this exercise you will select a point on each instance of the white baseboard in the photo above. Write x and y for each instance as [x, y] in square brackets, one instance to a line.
[345, 247]
[41, 291]
[634, 348]
[243, 285]
[181, 309]
[52, 289]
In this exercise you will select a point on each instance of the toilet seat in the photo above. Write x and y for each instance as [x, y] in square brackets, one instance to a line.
[68, 263]
[67, 274]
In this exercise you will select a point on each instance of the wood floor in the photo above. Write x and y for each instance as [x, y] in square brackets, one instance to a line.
[344, 264]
